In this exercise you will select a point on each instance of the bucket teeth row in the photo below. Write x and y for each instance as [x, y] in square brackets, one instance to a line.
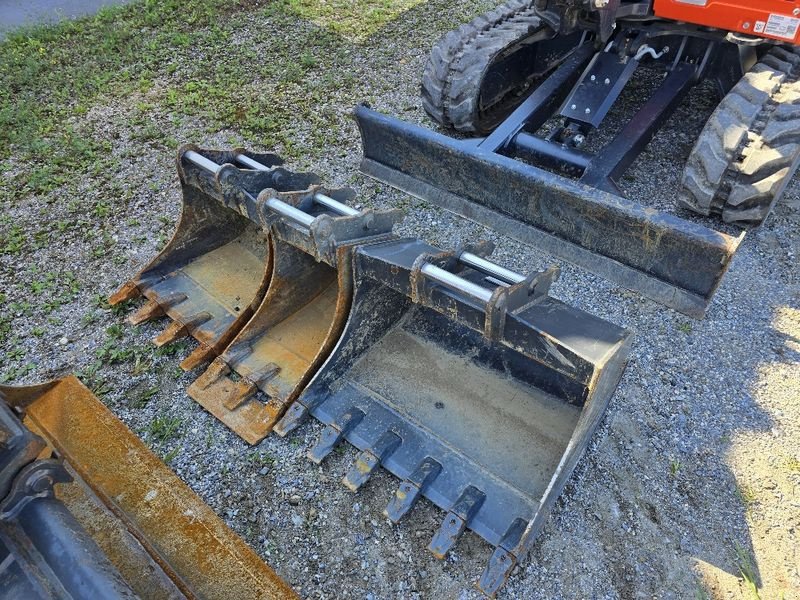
[370, 459]
[412, 488]
[456, 521]
[333, 434]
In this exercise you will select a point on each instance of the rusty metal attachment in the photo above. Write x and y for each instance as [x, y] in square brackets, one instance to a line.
[309, 234]
[213, 274]
[87, 511]
[469, 383]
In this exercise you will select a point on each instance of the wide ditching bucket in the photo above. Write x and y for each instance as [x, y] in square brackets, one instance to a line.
[469, 383]
[213, 273]
[311, 238]
[87, 511]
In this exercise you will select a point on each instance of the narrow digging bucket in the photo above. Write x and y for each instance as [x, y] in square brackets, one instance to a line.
[213, 274]
[312, 236]
[119, 523]
[470, 384]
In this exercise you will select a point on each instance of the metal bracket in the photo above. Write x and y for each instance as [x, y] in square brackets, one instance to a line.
[35, 480]
[513, 291]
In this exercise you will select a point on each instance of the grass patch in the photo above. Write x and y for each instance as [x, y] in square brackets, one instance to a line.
[747, 571]
[353, 19]
[747, 496]
[164, 428]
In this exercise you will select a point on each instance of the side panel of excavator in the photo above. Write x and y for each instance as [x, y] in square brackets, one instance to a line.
[772, 19]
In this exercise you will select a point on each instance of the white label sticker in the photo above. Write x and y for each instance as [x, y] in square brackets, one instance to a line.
[782, 26]
[759, 26]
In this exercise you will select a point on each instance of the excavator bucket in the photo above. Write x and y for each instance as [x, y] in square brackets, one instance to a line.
[87, 511]
[213, 274]
[279, 262]
[469, 383]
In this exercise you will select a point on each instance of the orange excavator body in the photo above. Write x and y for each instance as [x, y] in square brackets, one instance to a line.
[772, 19]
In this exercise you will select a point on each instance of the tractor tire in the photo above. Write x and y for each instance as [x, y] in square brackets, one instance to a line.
[456, 74]
[750, 147]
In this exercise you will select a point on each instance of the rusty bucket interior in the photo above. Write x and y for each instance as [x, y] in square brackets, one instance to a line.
[87, 511]
[469, 383]
[213, 274]
[266, 366]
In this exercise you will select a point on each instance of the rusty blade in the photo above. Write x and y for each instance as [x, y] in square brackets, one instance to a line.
[190, 543]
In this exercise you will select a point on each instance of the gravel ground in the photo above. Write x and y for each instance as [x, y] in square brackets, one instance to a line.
[690, 487]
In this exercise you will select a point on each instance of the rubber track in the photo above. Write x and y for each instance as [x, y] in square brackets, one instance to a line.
[750, 147]
[454, 72]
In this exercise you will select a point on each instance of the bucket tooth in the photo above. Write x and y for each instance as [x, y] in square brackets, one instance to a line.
[456, 521]
[264, 374]
[292, 419]
[243, 391]
[153, 309]
[503, 559]
[174, 331]
[333, 434]
[370, 459]
[199, 356]
[150, 310]
[215, 371]
[128, 291]
[177, 330]
[412, 488]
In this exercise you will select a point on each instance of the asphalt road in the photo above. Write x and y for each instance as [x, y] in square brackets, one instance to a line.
[15, 14]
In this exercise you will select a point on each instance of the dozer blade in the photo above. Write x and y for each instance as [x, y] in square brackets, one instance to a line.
[119, 523]
[212, 275]
[470, 384]
[668, 259]
[310, 235]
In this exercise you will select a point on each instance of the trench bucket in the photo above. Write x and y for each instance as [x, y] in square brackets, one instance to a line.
[87, 511]
[213, 273]
[469, 383]
[670, 260]
[310, 236]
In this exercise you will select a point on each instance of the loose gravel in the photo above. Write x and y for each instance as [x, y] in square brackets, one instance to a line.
[690, 487]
